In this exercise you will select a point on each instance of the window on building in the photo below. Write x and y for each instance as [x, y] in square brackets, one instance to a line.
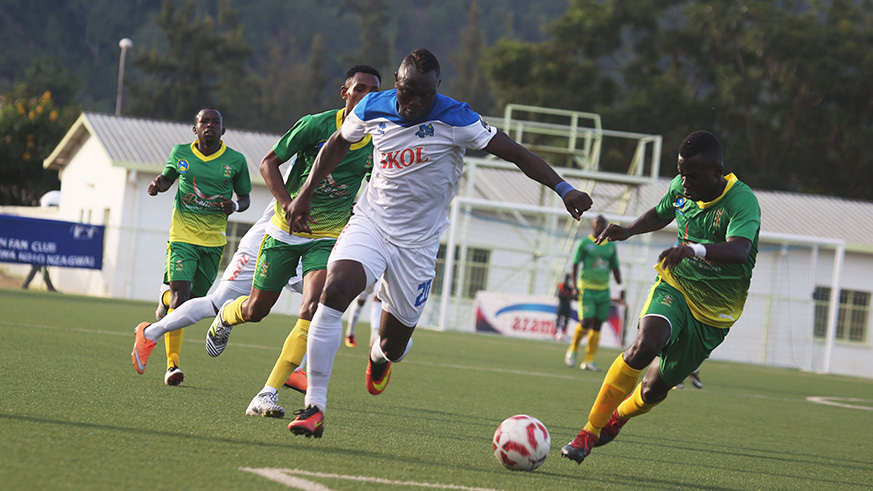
[475, 270]
[852, 319]
[235, 232]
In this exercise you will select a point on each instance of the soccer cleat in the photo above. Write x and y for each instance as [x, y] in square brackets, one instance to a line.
[610, 431]
[142, 348]
[591, 367]
[377, 376]
[297, 381]
[350, 342]
[580, 447]
[570, 359]
[174, 376]
[309, 422]
[695, 379]
[680, 385]
[264, 404]
[217, 336]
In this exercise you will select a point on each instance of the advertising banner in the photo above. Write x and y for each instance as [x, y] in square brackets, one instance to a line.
[50, 242]
[533, 317]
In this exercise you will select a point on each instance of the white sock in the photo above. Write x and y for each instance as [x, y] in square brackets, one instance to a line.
[325, 335]
[302, 363]
[187, 314]
[267, 388]
[375, 319]
[354, 314]
[378, 356]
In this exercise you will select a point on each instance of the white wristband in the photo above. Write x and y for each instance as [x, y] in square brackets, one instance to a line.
[699, 249]
[235, 205]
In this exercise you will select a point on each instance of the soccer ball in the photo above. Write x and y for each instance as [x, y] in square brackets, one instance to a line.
[521, 443]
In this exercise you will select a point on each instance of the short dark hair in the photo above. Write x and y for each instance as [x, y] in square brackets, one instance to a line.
[363, 69]
[424, 61]
[702, 143]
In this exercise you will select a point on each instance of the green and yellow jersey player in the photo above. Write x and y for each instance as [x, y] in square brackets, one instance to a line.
[209, 173]
[597, 260]
[282, 250]
[700, 292]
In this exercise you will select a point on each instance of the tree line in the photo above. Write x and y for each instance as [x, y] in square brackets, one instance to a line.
[785, 85]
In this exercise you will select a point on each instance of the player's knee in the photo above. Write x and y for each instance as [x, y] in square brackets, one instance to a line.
[307, 309]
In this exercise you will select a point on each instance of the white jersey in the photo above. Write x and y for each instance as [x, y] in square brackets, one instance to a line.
[417, 165]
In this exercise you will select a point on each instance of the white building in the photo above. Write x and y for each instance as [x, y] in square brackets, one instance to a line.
[512, 235]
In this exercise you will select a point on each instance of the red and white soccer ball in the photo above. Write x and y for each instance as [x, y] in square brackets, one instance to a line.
[521, 443]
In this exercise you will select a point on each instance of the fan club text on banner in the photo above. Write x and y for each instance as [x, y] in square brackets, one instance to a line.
[50, 242]
[533, 317]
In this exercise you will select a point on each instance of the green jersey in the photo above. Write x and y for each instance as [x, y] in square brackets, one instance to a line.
[332, 200]
[197, 215]
[597, 262]
[715, 293]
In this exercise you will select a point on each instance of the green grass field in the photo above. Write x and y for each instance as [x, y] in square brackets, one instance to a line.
[75, 415]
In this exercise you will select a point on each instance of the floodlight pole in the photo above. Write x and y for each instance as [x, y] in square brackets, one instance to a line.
[124, 44]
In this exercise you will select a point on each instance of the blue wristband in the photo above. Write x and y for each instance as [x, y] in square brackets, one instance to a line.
[563, 188]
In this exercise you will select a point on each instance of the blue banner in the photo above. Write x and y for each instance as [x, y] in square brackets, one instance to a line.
[50, 242]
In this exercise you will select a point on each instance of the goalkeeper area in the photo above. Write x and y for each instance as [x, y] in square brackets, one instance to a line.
[76, 415]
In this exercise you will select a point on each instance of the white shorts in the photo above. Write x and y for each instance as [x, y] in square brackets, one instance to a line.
[407, 273]
[240, 273]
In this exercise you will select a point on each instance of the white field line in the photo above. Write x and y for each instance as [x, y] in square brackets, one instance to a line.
[286, 477]
[832, 401]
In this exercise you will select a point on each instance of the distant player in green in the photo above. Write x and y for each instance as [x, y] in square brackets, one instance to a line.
[597, 261]
[281, 250]
[209, 172]
[700, 292]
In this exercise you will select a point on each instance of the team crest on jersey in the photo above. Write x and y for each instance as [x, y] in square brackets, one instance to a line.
[263, 271]
[179, 265]
[667, 300]
[424, 130]
[680, 202]
[369, 163]
[182, 166]
[228, 171]
[718, 215]
[381, 128]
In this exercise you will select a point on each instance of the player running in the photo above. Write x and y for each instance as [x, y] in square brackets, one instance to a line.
[420, 138]
[236, 281]
[283, 248]
[700, 292]
[209, 172]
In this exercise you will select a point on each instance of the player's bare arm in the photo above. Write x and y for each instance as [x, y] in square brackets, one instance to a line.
[329, 157]
[269, 168]
[537, 169]
[734, 251]
[647, 222]
[159, 185]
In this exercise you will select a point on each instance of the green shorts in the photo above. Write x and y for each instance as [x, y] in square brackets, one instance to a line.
[277, 261]
[595, 304]
[691, 341]
[193, 263]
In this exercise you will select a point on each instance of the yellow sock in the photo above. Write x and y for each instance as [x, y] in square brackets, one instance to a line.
[635, 405]
[593, 343]
[292, 354]
[173, 344]
[165, 299]
[618, 383]
[232, 312]
[577, 338]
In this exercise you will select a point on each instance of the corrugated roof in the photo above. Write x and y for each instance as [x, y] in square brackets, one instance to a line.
[781, 212]
[144, 144]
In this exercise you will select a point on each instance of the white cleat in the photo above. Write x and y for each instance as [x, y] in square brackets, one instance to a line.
[264, 404]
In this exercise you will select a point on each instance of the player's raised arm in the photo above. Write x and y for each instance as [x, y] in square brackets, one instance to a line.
[329, 157]
[647, 222]
[539, 170]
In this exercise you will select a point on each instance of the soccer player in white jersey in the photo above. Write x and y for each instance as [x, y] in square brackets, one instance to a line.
[236, 281]
[419, 139]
